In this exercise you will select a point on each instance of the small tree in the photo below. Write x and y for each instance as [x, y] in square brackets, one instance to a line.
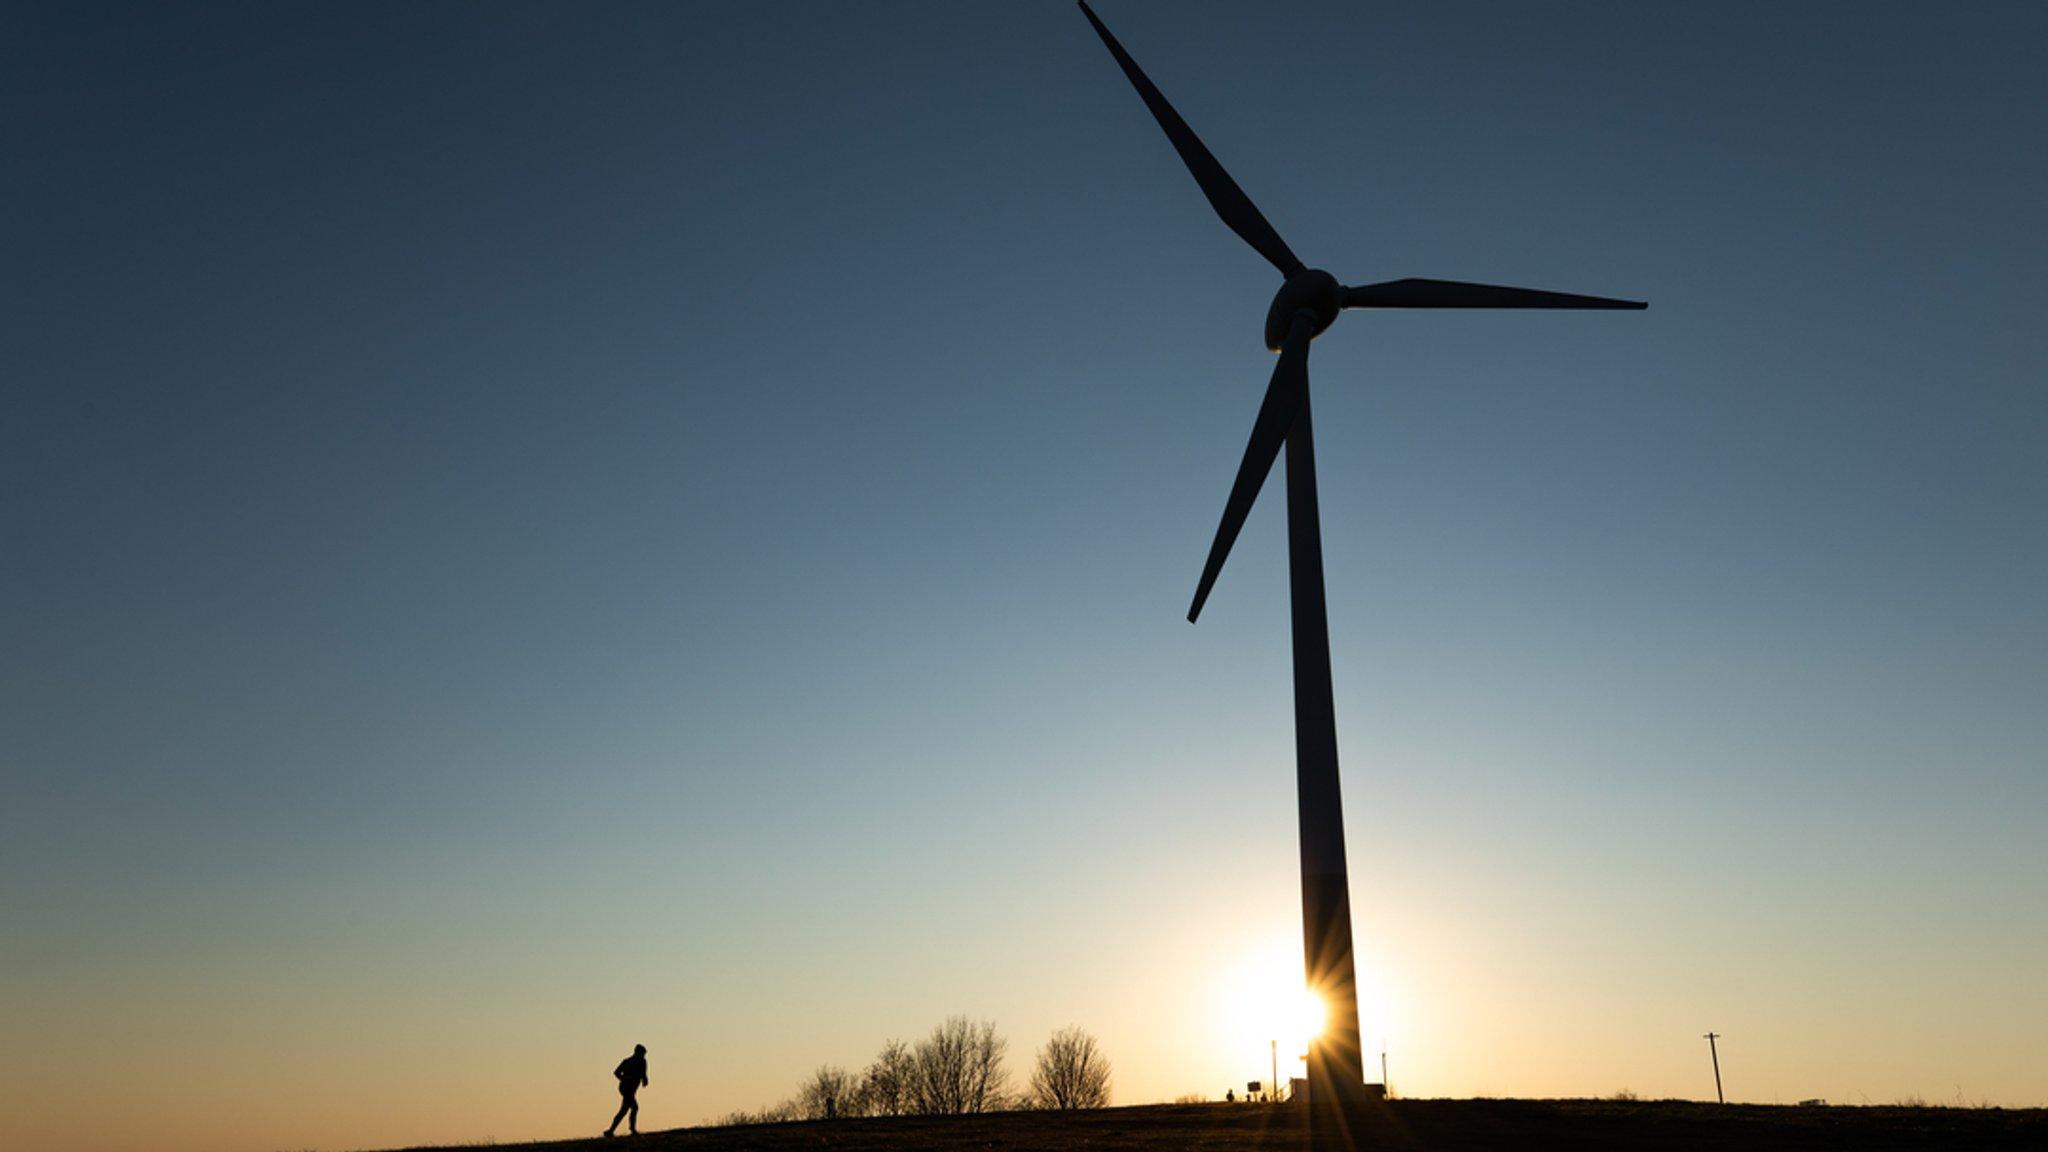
[886, 1085]
[958, 1069]
[773, 1114]
[827, 1093]
[1071, 1072]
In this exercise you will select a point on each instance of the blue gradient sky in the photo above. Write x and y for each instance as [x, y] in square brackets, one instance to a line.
[534, 529]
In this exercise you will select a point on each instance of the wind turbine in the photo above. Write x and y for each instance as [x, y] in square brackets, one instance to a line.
[1308, 301]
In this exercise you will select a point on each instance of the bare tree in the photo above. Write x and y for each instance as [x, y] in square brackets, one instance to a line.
[886, 1085]
[1071, 1073]
[959, 1069]
[828, 1093]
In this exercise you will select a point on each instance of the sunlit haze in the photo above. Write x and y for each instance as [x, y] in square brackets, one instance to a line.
[530, 529]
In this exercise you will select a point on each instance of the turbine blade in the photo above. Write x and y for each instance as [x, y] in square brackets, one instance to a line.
[1269, 432]
[1225, 196]
[1457, 294]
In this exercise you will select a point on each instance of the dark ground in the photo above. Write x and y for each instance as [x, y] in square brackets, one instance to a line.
[1398, 1125]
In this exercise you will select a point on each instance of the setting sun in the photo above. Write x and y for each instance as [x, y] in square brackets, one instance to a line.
[1268, 1011]
[1304, 1012]
[1266, 1016]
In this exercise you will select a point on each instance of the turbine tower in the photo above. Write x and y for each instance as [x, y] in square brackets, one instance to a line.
[1308, 301]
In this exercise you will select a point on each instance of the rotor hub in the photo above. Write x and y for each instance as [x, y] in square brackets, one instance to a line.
[1310, 290]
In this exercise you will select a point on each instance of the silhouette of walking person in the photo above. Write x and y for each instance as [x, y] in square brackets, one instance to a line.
[632, 1075]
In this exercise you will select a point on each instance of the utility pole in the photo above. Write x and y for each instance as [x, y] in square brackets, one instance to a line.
[1276, 1069]
[1716, 1054]
[1385, 1087]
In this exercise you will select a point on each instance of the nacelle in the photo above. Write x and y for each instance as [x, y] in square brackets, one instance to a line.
[1312, 290]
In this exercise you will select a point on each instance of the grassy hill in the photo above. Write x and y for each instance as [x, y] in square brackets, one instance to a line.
[1398, 1125]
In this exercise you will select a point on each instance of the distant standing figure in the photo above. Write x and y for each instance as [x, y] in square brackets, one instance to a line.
[632, 1076]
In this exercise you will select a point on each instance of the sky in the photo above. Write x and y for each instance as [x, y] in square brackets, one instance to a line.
[531, 529]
